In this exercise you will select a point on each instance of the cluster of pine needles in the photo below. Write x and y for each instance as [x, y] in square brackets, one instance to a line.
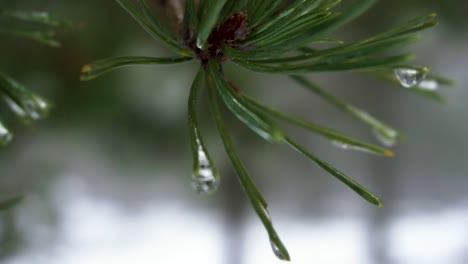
[38, 26]
[277, 37]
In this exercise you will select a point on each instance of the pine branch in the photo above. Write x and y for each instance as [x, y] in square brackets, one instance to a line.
[25, 104]
[275, 37]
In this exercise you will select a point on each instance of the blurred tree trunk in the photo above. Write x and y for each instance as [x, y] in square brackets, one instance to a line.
[10, 238]
[386, 186]
[234, 208]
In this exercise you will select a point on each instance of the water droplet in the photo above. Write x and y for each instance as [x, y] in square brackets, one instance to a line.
[36, 107]
[32, 110]
[341, 145]
[278, 252]
[429, 85]
[410, 77]
[346, 146]
[205, 179]
[389, 139]
[41, 103]
[5, 135]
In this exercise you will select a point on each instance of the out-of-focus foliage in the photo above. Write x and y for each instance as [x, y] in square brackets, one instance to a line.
[36, 26]
[6, 204]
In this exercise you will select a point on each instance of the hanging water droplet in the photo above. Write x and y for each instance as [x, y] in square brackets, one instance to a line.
[410, 77]
[277, 251]
[32, 110]
[389, 139]
[205, 179]
[429, 85]
[36, 107]
[5, 135]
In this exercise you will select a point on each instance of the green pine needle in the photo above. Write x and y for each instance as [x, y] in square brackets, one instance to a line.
[258, 123]
[25, 104]
[375, 124]
[205, 178]
[211, 16]
[97, 68]
[255, 197]
[335, 136]
[363, 192]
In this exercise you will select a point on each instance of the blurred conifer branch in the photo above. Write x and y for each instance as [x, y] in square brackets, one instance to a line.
[38, 26]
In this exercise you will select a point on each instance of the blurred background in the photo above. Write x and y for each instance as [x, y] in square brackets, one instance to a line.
[107, 176]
